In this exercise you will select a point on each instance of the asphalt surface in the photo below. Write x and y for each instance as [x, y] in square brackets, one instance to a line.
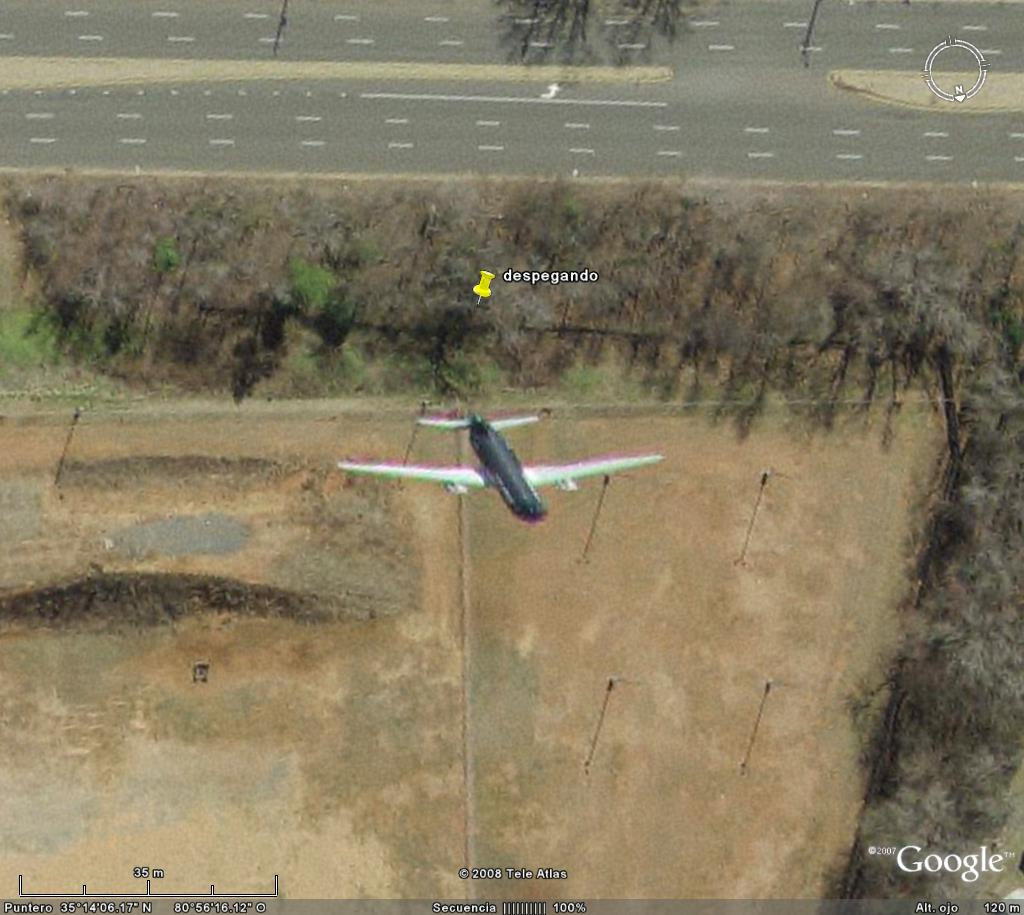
[742, 103]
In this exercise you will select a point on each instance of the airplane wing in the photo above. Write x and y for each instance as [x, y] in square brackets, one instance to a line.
[564, 474]
[442, 422]
[466, 477]
[513, 421]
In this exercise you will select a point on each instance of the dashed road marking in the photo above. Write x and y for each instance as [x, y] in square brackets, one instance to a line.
[576, 125]
[697, 23]
[1017, 136]
[346, 17]
[40, 115]
[181, 38]
[975, 28]
[488, 123]
[6, 36]
[90, 38]
[396, 120]
[129, 116]
[581, 151]
[849, 156]
[133, 141]
[222, 142]
[760, 155]
[359, 41]
[435, 18]
[451, 42]
[313, 143]
[631, 47]
[939, 158]
[933, 134]
[666, 127]
[256, 15]
[846, 132]
[427, 97]
[76, 14]
[490, 148]
[308, 118]
[220, 117]
[757, 130]
[1018, 158]
[721, 47]
[165, 14]
[887, 26]
[991, 52]
[901, 50]
[394, 145]
[794, 25]
[668, 152]
[42, 139]
[541, 44]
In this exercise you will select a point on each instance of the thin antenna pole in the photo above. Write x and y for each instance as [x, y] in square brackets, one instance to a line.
[597, 514]
[281, 23]
[757, 724]
[600, 724]
[765, 477]
[67, 444]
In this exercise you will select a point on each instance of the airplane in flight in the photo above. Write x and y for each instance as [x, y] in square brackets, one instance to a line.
[499, 468]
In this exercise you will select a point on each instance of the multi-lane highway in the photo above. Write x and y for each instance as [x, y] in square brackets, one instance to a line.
[741, 103]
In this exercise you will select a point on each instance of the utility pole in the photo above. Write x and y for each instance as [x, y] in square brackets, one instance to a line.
[281, 23]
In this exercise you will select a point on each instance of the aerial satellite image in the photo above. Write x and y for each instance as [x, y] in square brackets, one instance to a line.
[511, 456]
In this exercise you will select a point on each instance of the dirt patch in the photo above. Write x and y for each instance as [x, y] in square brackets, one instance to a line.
[182, 536]
[189, 468]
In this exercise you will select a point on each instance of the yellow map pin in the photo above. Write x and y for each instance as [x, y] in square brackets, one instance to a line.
[483, 288]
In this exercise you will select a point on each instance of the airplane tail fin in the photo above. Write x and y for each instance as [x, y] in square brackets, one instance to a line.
[440, 422]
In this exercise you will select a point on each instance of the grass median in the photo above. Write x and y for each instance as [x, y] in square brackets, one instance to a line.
[1002, 92]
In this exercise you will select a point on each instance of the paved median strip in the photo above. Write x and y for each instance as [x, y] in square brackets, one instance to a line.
[61, 72]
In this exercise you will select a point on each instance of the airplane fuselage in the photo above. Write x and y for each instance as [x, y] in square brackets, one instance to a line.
[504, 472]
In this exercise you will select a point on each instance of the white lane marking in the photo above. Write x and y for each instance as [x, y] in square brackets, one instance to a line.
[269, 40]
[313, 143]
[935, 133]
[901, 50]
[76, 14]
[760, 155]
[632, 47]
[133, 141]
[666, 127]
[488, 123]
[308, 118]
[938, 158]
[399, 145]
[129, 116]
[696, 23]
[849, 156]
[42, 139]
[220, 117]
[757, 130]
[889, 26]
[40, 115]
[991, 52]
[581, 151]
[524, 21]
[846, 132]
[165, 14]
[974, 28]
[242, 92]
[359, 41]
[541, 44]
[576, 125]
[207, 92]
[721, 47]
[181, 38]
[346, 17]
[137, 91]
[623, 21]
[6, 36]
[106, 92]
[222, 142]
[794, 25]
[490, 148]
[451, 42]
[1017, 136]
[426, 97]
[175, 92]
[396, 120]
[256, 15]
[435, 18]
[668, 152]
[815, 48]
[90, 38]
[1018, 158]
